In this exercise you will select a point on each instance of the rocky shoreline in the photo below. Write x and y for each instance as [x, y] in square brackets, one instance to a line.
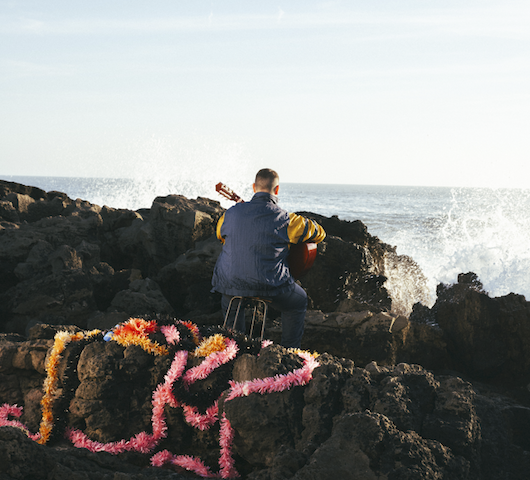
[402, 391]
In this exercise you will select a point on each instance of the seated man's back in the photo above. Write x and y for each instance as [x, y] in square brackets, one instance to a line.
[256, 237]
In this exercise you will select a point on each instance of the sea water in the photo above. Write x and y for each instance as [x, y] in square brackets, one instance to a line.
[446, 231]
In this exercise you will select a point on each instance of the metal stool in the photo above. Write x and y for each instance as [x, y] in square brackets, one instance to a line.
[257, 301]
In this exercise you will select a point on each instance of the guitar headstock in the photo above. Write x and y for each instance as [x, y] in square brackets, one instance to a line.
[228, 193]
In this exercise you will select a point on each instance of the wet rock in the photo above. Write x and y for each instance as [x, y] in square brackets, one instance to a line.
[344, 270]
[65, 258]
[186, 282]
[487, 338]
[20, 202]
[106, 320]
[176, 223]
[37, 261]
[362, 336]
[7, 188]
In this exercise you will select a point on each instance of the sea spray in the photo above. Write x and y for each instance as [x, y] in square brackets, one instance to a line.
[485, 231]
[191, 169]
[406, 284]
[156, 166]
[446, 231]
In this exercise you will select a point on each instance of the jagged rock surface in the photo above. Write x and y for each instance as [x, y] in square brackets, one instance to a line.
[370, 412]
[68, 262]
[396, 422]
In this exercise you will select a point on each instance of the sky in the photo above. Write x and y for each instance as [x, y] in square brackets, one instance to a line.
[375, 92]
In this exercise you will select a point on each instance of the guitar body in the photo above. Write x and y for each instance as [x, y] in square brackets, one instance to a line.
[301, 255]
[301, 258]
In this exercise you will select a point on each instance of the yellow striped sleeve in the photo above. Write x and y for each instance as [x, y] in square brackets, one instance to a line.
[301, 229]
[218, 229]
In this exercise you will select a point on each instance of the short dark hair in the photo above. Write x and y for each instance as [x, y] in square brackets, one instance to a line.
[267, 179]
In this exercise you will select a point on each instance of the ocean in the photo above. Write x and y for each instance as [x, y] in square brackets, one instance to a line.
[447, 231]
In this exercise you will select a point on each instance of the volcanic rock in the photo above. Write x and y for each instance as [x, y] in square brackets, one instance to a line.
[398, 421]
[441, 394]
[487, 338]
[65, 260]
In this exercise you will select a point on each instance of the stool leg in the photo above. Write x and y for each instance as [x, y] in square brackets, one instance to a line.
[237, 313]
[253, 318]
[256, 302]
[229, 309]
[264, 318]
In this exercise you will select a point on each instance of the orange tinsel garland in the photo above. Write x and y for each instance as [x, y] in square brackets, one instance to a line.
[215, 343]
[150, 347]
[137, 326]
[135, 332]
[50, 383]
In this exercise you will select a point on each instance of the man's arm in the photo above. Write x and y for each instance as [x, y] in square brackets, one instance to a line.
[302, 229]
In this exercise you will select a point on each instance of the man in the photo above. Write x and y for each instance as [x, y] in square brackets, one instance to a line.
[253, 263]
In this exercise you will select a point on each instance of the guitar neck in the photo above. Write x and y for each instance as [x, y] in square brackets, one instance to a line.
[228, 193]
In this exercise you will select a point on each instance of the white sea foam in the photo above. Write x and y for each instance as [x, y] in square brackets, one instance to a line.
[480, 230]
[447, 231]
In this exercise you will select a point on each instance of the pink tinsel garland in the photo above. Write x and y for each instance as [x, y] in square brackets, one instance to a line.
[191, 464]
[142, 442]
[171, 333]
[211, 362]
[226, 461]
[163, 395]
[277, 383]
[7, 410]
[195, 419]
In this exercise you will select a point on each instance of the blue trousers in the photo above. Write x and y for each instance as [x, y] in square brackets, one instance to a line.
[292, 305]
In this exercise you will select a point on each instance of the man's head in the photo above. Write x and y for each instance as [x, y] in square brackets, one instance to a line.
[267, 180]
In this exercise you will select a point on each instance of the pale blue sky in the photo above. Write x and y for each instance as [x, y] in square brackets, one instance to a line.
[363, 92]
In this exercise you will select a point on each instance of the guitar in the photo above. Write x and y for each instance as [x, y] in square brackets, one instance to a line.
[301, 255]
[228, 193]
